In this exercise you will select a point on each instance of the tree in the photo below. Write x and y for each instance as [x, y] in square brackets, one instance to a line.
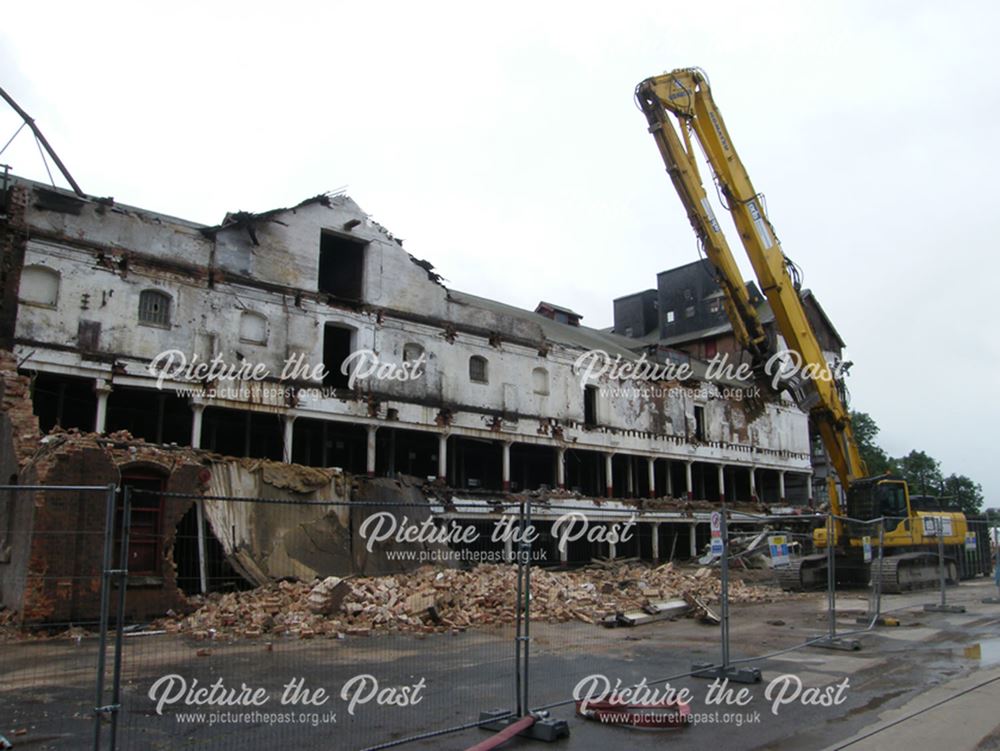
[865, 432]
[964, 493]
[922, 472]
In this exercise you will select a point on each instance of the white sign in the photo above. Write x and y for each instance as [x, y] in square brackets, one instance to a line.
[867, 544]
[931, 524]
[970, 541]
[779, 550]
[717, 546]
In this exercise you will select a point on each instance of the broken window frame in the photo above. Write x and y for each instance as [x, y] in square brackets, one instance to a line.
[142, 536]
[412, 351]
[149, 313]
[334, 378]
[699, 422]
[590, 411]
[328, 267]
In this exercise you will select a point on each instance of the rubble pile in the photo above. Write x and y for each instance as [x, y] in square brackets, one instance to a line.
[439, 600]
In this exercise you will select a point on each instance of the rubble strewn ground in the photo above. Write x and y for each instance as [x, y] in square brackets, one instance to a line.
[438, 600]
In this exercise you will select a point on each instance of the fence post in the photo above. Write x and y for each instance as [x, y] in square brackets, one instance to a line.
[544, 728]
[943, 606]
[122, 575]
[725, 671]
[874, 615]
[996, 567]
[109, 534]
[831, 640]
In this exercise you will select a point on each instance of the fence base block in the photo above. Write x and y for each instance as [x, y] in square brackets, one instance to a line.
[734, 674]
[882, 620]
[546, 729]
[846, 645]
[991, 600]
[944, 608]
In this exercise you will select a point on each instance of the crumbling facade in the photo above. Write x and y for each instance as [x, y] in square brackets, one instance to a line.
[212, 337]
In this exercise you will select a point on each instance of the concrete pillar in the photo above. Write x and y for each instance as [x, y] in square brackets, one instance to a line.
[670, 480]
[508, 548]
[103, 390]
[197, 413]
[809, 488]
[612, 547]
[781, 485]
[564, 555]
[608, 477]
[651, 468]
[505, 470]
[442, 456]
[370, 450]
[689, 486]
[630, 478]
[694, 540]
[286, 442]
[561, 468]
[753, 484]
[656, 540]
[722, 483]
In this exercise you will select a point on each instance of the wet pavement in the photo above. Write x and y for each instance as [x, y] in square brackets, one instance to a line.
[47, 688]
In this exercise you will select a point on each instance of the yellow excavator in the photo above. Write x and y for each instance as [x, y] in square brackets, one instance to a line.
[910, 557]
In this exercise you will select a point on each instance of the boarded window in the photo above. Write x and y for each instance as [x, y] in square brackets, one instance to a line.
[341, 266]
[39, 285]
[540, 380]
[253, 327]
[478, 369]
[88, 335]
[154, 307]
[699, 423]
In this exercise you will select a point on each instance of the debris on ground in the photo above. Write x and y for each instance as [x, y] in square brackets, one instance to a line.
[432, 599]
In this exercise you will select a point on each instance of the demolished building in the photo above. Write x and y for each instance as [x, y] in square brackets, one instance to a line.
[209, 338]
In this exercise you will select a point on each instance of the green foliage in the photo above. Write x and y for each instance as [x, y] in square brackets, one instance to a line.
[922, 472]
[865, 432]
[964, 493]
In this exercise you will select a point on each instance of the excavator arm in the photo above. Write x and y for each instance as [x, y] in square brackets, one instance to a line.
[686, 95]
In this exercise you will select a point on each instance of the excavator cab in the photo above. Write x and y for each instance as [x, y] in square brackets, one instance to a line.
[873, 497]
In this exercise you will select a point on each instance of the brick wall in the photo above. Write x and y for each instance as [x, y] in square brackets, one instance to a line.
[61, 559]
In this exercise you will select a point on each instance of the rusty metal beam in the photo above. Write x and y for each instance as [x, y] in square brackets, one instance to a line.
[29, 121]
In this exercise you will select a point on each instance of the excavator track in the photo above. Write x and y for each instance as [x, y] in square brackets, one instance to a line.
[803, 574]
[903, 572]
[910, 571]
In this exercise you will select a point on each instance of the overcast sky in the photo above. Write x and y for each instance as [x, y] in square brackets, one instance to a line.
[502, 144]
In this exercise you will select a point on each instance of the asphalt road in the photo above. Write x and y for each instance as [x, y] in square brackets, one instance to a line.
[927, 671]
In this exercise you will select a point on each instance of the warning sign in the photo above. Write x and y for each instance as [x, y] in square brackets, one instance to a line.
[779, 550]
[970, 541]
[716, 522]
[866, 543]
